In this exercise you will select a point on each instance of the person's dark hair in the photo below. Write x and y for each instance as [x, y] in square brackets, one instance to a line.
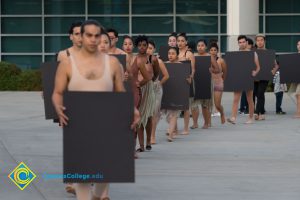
[174, 34]
[105, 33]
[250, 41]
[139, 39]
[127, 37]
[242, 37]
[191, 45]
[260, 35]
[202, 40]
[214, 45]
[74, 25]
[91, 22]
[113, 31]
[183, 35]
[175, 48]
[152, 42]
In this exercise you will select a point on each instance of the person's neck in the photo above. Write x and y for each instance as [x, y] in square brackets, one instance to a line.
[76, 48]
[86, 53]
[113, 49]
[183, 49]
[142, 54]
[202, 53]
[261, 48]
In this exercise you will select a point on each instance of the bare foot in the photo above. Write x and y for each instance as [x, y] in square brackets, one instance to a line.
[153, 141]
[223, 120]
[184, 133]
[194, 126]
[231, 120]
[70, 189]
[296, 116]
[205, 126]
[249, 121]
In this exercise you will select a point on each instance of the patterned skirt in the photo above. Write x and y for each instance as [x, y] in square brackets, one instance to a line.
[147, 105]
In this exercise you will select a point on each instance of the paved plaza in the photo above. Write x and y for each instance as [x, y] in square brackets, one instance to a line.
[227, 162]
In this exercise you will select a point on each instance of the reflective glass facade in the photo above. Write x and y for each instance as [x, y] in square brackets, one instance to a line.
[32, 31]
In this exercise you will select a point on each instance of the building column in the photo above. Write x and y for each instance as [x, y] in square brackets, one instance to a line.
[242, 19]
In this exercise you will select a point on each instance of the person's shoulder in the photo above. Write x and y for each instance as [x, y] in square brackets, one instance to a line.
[189, 53]
[120, 51]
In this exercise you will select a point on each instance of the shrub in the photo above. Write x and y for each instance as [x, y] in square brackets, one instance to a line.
[13, 78]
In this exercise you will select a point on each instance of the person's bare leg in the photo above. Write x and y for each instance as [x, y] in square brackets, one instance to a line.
[218, 106]
[236, 99]
[205, 113]
[195, 115]
[155, 120]
[250, 105]
[172, 125]
[148, 133]
[186, 122]
[83, 191]
[140, 132]
[297, 115]
[100, 191]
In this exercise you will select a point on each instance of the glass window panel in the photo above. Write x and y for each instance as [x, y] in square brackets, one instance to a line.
[54, 44]
[64, 7]
[282, 24]
[198, 24]
[24, 62]
[50, 58]
[287, 43]
[224, 6]
[21, 44]
[197, 7]
[21, 7]
[261, 24]
[282, 6]
[19, 25]
[223, 24]
[152, 7]
[223, 44]
[97, 7]
[121, 24]
[56, 25]
[261, 6]
[152, 25]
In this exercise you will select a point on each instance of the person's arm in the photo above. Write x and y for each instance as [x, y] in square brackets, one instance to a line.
[255, 72]
[215, 68]
[192, 59]
[275, 68]
[146, 76]
[155, 65]
[164, 71]
[117, 74]
[61, 82]
[224, 68]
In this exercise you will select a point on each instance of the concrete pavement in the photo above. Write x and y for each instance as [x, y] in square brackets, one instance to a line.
[229, 162]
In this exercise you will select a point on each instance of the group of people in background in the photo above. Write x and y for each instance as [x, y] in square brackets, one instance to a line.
[142, 72]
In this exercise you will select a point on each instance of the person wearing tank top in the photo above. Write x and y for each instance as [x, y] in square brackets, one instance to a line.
[88, 70]
[185, 55]
[75, 37]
